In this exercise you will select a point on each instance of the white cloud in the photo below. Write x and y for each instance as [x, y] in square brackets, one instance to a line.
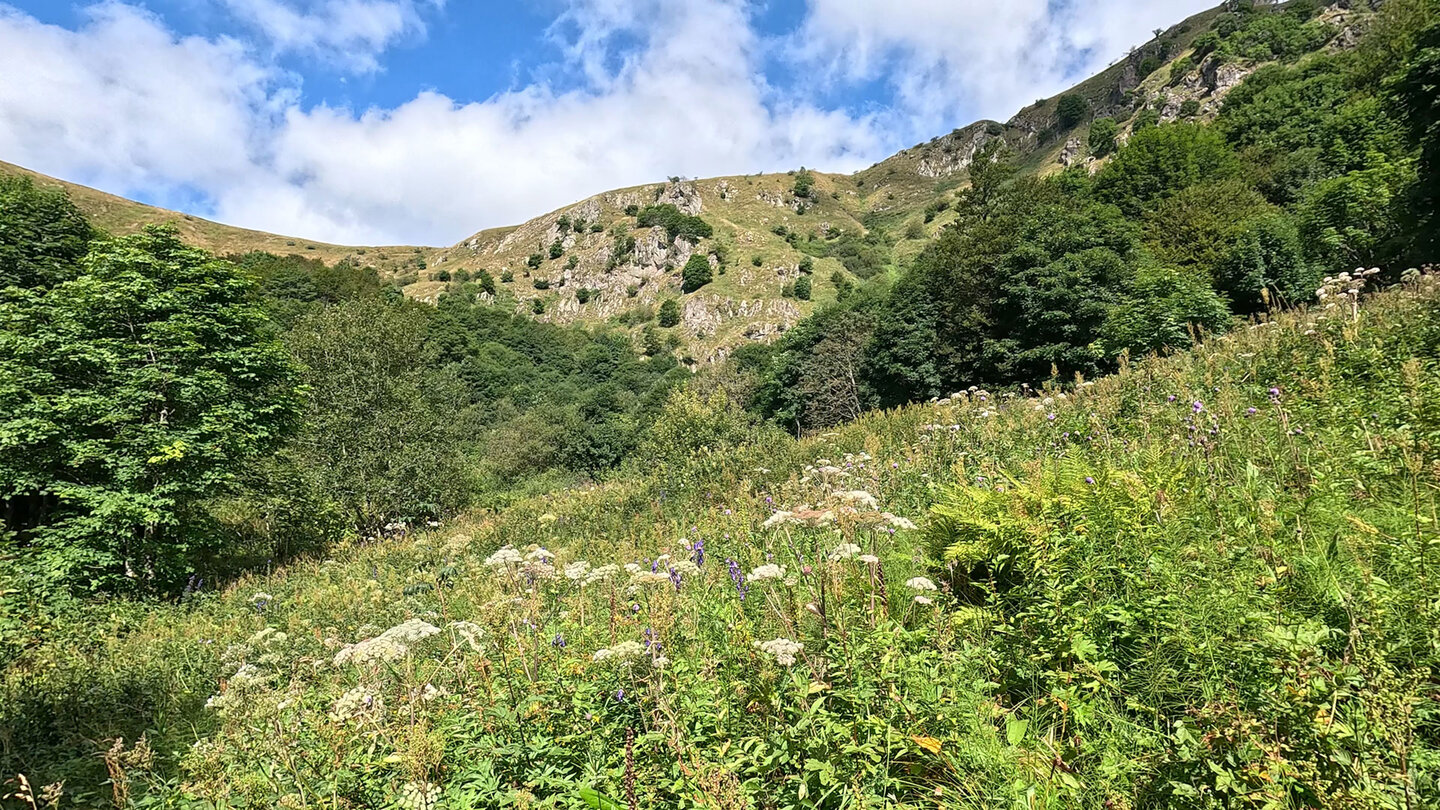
[126, 105]
[350, 33]
[950, 59]
[650, 88]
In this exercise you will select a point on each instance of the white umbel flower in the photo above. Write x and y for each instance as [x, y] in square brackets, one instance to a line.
[783, 650]
[920, 584]
[770, 571]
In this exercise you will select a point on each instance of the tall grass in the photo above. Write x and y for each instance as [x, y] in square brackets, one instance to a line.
[1206, 581]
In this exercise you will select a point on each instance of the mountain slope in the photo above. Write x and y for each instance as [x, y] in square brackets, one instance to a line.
[851, 227]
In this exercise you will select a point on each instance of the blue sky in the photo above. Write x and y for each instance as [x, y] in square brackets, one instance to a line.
[422, 121]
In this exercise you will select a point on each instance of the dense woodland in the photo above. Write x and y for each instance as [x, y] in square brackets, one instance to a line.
[243, 450]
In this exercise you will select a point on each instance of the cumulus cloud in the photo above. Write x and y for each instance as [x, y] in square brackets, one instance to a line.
[349, 33]
[637, 90]
[950, 59]
[127, 105]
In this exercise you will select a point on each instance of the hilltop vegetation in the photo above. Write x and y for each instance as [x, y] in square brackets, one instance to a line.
[1078, 475]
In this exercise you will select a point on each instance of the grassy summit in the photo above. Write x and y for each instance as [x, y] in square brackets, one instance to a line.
[1208, 580]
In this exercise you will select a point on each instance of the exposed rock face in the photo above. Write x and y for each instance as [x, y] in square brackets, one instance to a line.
[1070, 155]
[683, 195]
[954, 153]
[704, 314]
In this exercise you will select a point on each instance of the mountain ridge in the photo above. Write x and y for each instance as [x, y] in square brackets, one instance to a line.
[764, 231]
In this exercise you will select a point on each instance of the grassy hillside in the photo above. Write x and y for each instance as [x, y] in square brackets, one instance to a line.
[898, 205]
[118, 215]
[1206, 581]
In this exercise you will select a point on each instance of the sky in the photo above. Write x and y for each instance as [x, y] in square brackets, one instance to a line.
[424, 121]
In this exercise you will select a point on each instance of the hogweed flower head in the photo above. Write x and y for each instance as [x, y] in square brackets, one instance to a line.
[783, 650]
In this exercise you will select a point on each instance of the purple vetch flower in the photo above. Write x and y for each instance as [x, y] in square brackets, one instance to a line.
[558, 642]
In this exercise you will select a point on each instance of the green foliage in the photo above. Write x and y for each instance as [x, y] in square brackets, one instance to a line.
[669, 313]
[386, 430]
[802, 288]
[677, 224]
[535, 261]
[1071, 109]
[132, 392]
[557, 249]
[1102, 136]
[804, 187]
[697, 272]
[42, 235]
[1161, 310]
[1161, 160]
[1124, 599]
[1356, 219]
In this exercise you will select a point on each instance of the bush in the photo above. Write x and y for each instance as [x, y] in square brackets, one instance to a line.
[535, 261]
[557, 249]
[1189, 108]
[1102, 136]
[537, 306]
[669, 313]
[804, 184]
[697, 273]
[506, 276]
[802, 288]
[1071, 110]
[676, 222]
[807, 265]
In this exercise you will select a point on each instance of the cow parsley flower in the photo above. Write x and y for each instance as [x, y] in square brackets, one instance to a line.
[471, 632]
[920, 584]
[783, 650]
[769, 571]
[858, 498]
[868, 559]
[844, 551]
[391, 645]
[504, 559]
[577, 571]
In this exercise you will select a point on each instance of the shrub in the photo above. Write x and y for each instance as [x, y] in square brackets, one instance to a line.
[507, 276]
[676, 222]
[697, 273]
[1071, 110]
[669, 313]
[802, 288]
[804, 184]
[535, 261]
[1102, 136]
[557, 249]
[131, 391]
[537, 306]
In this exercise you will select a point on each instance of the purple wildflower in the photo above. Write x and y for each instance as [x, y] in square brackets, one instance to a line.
[558, 642]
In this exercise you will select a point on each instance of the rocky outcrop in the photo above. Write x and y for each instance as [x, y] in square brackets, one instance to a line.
[683, 195]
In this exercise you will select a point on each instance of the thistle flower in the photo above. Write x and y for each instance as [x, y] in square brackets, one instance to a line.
[783, 650]
[920, 584]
